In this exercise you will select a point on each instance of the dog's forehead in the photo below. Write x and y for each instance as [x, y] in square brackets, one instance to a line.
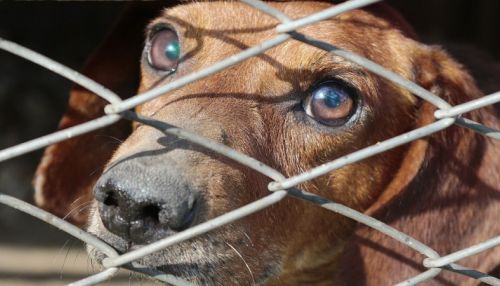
[227, 16]
[212, 31]
[230, 15]
[237, 26]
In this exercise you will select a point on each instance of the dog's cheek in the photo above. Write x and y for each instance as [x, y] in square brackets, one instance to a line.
[244, 242]
[230, 186]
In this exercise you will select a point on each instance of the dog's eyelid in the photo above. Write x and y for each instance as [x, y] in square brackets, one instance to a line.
[156, 27]
[337, 79]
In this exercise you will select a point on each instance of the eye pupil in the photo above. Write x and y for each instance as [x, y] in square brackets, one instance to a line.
[333, 99]
[173, 50]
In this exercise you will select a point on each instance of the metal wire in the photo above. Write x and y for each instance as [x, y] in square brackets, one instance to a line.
[469, 106]
[59, 223]
[424, 276]
[442, 261]
[479, 128]
[323, 15]
[375, 68]
[362, 154]
[158, 275]
[238, 58]
[59, 69]
[196, 230]
[281, 186]
[96, 278]
[487, 279]
[58, 136]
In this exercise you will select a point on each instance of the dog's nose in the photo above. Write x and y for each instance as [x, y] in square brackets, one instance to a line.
[140, 206]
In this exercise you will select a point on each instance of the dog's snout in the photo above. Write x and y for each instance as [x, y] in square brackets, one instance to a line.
[138, 208]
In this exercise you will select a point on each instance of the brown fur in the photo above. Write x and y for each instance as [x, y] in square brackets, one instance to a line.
[442, 190]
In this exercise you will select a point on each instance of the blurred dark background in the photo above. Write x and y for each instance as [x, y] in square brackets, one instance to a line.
[33, 99]
[475, 23]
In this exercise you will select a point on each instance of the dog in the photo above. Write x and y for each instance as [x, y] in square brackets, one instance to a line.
[293, 107]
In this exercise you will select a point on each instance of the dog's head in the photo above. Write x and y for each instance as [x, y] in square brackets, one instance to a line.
[293, 107]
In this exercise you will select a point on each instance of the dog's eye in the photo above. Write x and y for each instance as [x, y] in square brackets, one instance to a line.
[164, 50]
[330, 103]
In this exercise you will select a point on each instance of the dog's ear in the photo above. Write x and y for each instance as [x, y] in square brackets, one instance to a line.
[436, 190]
[68, 170]
[437, 72]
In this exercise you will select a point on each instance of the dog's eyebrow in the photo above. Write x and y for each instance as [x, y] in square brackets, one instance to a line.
[333, 65]
[329, 59]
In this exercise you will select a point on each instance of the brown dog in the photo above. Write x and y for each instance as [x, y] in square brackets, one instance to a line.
[293, 107]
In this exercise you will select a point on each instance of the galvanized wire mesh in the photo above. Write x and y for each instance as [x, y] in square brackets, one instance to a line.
[445, 116]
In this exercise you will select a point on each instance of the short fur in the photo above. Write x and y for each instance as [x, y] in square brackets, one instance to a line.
[442, 190]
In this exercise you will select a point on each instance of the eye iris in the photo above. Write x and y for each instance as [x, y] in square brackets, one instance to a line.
[173, 50]
[332, 97]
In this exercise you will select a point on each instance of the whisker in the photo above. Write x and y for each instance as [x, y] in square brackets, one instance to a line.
[76, 257]
[98, 169]
[246, 264]
[248, 237]
[60, 250]
[64, 261]
[117, 140]
[78, 209]
[76, 200]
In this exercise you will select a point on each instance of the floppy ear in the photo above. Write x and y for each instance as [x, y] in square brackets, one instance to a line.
[435, 192]
[68, 170]
[437, 72]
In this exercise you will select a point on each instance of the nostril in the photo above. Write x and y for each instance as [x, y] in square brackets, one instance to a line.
[109, 194]
[152, 212]
[110, 199]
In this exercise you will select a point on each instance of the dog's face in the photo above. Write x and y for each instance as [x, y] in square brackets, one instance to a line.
[293, 107]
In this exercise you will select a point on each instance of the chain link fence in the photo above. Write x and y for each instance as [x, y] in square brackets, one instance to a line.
[281, 187]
